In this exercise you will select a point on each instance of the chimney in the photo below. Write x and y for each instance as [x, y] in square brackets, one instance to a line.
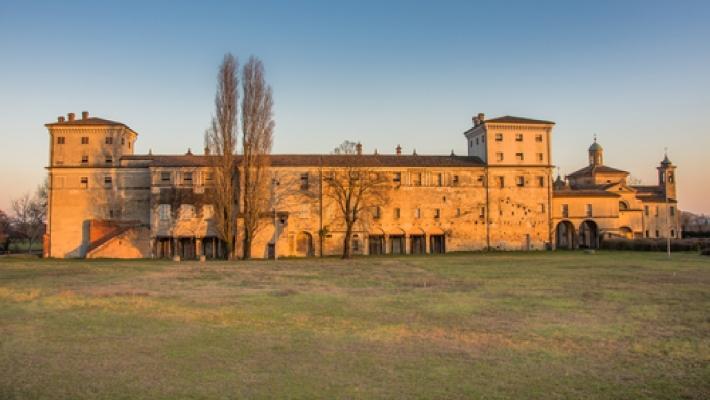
[70, 117]
[481, 118]
[399, 150]
[60, 118]
[84, 115]
[358, 149]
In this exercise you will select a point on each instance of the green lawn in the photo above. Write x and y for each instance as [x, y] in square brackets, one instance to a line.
[564, 325]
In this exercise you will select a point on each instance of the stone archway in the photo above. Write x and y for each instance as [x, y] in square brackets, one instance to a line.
[304, 245]
[626, 232]
[564, 236]
[588, 235]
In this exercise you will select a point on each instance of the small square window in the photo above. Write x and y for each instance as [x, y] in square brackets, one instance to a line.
[109, 140]
[109, 160]
[501, 181]
[187, 178]
[439, 179]
[541, 181]
[84, 159]
[304, 181]
[518, 137]
[396, 213]
[60, 140]
[499, 137]
[499, 156]
[520, 181]
[538, 138]
[108, 181]
[397, 177]
[437, 213]
[165, 176]
[208, 177]
[519, 156]
[84, 182]
[540, 157]
[455, 180]
[85, 140]
[417, 179]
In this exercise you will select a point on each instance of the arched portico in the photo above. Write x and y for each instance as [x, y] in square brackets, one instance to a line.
[565, 237]
[588, 235]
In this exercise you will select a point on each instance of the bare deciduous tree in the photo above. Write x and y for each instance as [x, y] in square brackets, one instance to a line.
[257, 131]
[222, 139]
[354, 188]
[29, 215]
[4, 230]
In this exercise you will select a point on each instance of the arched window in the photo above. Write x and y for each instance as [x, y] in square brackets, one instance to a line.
[623, 205]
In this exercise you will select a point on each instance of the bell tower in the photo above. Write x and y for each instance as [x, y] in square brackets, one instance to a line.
[596, 153]
[667, 178]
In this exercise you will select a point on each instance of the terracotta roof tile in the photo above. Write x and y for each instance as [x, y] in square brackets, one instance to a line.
[509, 119]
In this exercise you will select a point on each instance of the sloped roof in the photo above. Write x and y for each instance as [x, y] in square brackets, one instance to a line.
[583, 193]
[87, 121]
[327, 160]
[590, 170]
[647, 189]
[509, 119]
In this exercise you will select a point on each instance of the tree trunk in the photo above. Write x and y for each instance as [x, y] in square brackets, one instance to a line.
[346, 241]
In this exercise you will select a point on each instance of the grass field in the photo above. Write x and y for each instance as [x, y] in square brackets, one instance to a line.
[563, 325]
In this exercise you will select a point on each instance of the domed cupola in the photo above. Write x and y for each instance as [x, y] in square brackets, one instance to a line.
[596, 153]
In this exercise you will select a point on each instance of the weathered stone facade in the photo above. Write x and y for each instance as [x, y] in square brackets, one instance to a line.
[105, 201]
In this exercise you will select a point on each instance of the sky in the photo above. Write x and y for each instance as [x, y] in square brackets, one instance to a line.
[635, 73]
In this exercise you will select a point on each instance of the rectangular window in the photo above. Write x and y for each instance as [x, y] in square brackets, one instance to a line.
[165, 177]
[109, 160]
[108, 181]
[458, 212]
[501, 181]
[84, 182]
[647, 234]
[538, 138]
[85, 140]
[541, 181]
[540, 157]
[187, 178]
[565, 211]
[482, 213]
[109, 140]
[396, 213]
[656, 213]
[658, 234]
[499, 156]
[588, 210]
[397, 177]
[208, 177]
[84, 159]
[520, 181]
[164, 212]
[187, 211]
[519, 156]
[672, 211]
[645, 211]
[60, 140]
[304, 181]
[499, 137]
[355, 245]
[417, 178]
[476, 141]
[376, 213]
[437, 213]
[439, 180]
[123, 141]
[455, 180]
[417, 213]
[518, 137]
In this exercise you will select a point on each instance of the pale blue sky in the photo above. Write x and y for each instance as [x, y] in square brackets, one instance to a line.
[383, 73]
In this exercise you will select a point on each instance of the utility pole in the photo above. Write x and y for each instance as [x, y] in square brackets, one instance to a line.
[274, 184]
